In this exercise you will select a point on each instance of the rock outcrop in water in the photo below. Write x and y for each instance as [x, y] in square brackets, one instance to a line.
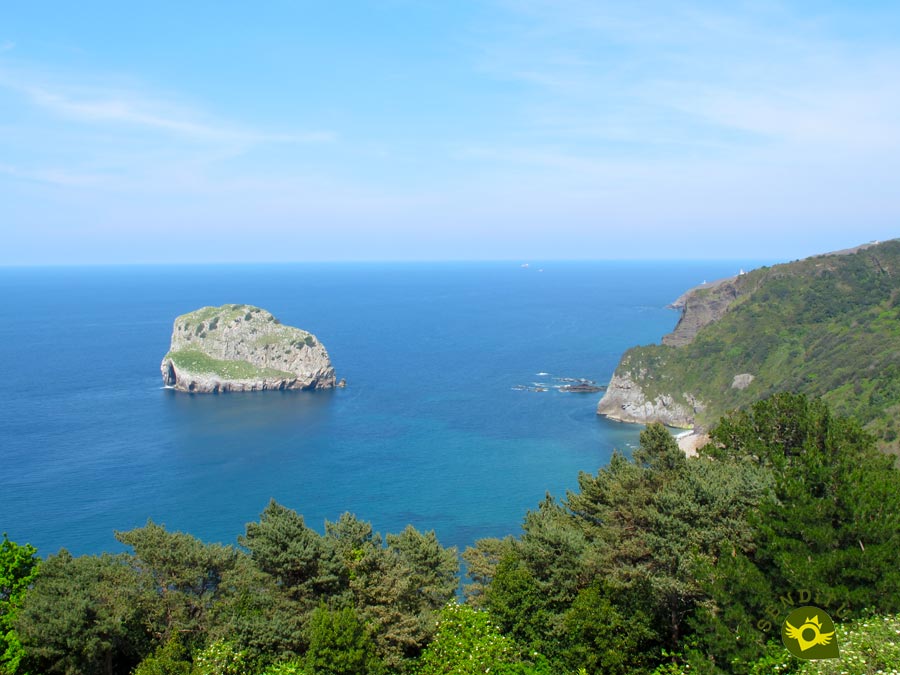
[629, 399]
[243, 348]
[626, 401]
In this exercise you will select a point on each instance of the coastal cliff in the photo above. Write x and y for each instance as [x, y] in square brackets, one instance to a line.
[632, 394]
[825, 326]
[701, 306]
[243, 348]
[626, 401]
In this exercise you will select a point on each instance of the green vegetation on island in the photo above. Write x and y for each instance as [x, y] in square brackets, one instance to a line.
[196, 361]
[827, 326]
[659, 564]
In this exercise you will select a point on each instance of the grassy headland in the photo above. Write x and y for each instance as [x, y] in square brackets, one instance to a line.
[826, 326]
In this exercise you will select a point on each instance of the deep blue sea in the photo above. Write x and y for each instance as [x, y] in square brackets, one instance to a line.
[429, 430]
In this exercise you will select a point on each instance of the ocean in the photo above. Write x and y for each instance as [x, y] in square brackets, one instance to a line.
[432, 428]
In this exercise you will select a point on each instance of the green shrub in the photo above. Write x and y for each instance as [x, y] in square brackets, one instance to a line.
[340, 645]
[172, 658]
[294, 667]
[221, 658]
[469, 643]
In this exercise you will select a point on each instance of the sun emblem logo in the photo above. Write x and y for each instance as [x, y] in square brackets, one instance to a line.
[813, 628]
[808, 633]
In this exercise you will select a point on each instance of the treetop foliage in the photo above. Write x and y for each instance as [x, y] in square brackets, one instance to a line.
[690, 556]
[176, 604]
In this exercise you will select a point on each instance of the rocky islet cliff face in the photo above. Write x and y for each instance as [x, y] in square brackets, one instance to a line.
[243, 348]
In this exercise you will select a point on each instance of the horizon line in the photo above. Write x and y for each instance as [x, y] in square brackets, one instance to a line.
[384, 261]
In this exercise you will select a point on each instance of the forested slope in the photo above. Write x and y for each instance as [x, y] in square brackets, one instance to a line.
[827, 326]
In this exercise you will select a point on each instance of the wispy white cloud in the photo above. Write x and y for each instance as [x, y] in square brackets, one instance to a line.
[81, 131]
[758, 74]
[850, 115]
[7, 46]
[134, 111]
[115, 105]
[54, 176]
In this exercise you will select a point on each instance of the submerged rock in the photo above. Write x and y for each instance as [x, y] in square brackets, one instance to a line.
[243, 348]
[581, 388]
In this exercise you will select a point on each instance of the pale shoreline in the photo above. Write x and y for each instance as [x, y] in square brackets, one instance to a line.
[690, 441]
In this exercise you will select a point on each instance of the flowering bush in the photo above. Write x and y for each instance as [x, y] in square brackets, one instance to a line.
[469, 643]
[868, 646]
[221, 658]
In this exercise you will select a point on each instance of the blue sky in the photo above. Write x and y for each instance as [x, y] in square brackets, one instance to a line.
[412, 130]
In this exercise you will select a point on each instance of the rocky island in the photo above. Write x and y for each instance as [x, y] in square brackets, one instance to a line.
[243, 348]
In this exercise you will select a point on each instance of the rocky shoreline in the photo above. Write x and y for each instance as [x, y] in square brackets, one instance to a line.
[625, 401]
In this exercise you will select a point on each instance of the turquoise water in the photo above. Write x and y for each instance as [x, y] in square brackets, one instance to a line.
[429, 430]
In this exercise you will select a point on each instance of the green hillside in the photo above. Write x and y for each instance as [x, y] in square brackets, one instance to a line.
[827, 326]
